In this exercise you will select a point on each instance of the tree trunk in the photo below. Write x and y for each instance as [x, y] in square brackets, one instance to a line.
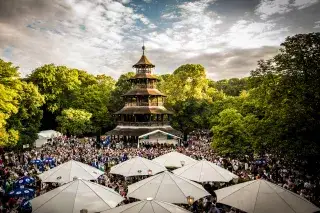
[185, 136]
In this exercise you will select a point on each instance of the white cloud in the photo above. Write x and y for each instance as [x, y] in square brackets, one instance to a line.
[267, 8]
[90, 36]
[248, 34]
[152, 26]
[170, 15]
[317, 25]
[300, 4]
[147, 1]
[192, 30]
[142, 18]
[125, 1]
[104, 36]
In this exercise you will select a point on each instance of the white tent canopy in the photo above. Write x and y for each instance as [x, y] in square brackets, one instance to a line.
[66, 172]
[49, 134]
[261, 196]
[76, 195]
[174, 159]
[148, 206]
[205, 171]
[158, 136]
[166, 187]
[137, 166]
[44, 135]
[158, 131]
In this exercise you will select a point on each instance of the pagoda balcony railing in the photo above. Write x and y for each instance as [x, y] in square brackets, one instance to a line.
[145, 86]
[150, 123]
[144, 104]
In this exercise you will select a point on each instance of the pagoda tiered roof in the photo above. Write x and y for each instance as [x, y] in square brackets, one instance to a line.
[143, 62]
[144, 91]
[144, 110]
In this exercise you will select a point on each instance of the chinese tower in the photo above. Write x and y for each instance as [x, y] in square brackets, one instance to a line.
[144, 109]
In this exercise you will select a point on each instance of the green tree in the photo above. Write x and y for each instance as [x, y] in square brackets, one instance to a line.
[288, 86]
[232, 135]
[9, 102]
[74, 121]
[191, 114]
[233, 86]
[121, 87]
[27, 119]
[188, 81]
[57, 84]
[96, 99]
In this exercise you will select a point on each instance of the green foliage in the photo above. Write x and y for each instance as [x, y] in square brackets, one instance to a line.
[65, 88]
[232, 87]
[232, 133]
[289, 87]
[57, 84]
[121, 87]
[74, 121]
[191, 114]
[27, 119]
[96, 99]
[187, 82]
[20, 103]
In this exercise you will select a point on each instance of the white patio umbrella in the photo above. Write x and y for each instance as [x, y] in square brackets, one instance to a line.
[205, 171]
[76, 195]
[137, 166]
[167, 187]
[148, 206]
[66, 172]
[174, 159]
[261, 196]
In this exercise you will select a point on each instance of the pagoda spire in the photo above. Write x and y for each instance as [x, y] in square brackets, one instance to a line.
[143, 48]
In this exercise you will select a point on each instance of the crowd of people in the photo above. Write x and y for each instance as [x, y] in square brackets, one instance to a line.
[18, 165]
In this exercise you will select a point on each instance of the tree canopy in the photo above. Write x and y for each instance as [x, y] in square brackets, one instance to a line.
[74, 121]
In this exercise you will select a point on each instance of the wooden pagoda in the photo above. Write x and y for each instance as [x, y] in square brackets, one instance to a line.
[144, 110]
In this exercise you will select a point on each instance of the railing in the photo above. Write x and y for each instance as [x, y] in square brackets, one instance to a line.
[144, 104]
[151, 123]
[144, 86]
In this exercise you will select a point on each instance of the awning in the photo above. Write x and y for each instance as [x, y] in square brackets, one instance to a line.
[169, 136]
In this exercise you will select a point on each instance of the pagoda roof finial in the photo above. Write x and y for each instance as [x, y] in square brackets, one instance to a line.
[143, 48]
[143, 62]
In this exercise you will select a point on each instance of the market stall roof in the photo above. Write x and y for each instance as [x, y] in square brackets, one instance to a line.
[150, 206]
[174, 160]
[68, 171]
[76, 195]
[260, 196]
[137, 166]
[167, 187]
[205, 171]
[158, 131]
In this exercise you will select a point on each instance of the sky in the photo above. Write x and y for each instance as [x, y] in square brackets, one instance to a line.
[227, 37]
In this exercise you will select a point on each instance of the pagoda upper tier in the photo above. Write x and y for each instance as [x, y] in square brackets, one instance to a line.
[143, 62]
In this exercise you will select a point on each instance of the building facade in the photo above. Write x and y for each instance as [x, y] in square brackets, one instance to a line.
[144, 109]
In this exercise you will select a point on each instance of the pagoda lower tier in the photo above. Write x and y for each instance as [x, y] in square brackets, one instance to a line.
[136, 129]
